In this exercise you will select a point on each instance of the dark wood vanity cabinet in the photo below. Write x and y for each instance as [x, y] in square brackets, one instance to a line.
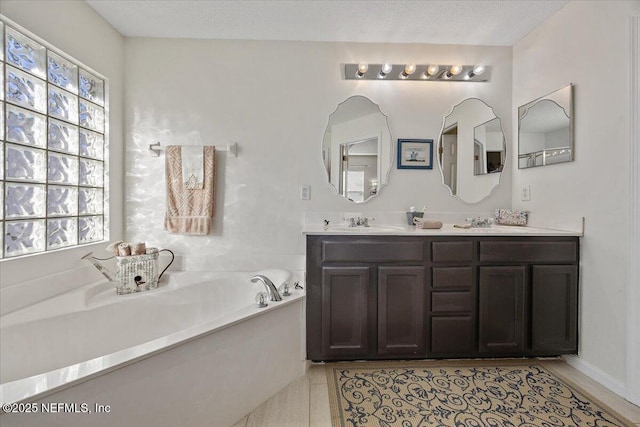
[528, 297]
[396, 297]
[366, 298]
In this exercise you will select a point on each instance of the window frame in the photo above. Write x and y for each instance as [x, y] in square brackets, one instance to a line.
[77, 155]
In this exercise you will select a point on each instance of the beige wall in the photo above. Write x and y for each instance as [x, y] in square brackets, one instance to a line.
[587, 43]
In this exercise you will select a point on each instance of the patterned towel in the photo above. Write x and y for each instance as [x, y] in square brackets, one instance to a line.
[189, 211]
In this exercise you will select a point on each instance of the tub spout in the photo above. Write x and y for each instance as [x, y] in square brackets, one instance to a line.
[274, 295]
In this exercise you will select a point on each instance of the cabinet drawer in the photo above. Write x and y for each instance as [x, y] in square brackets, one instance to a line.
[372, 251]
[528, 251]
[451, 302]
[452, 277]
[452, 251]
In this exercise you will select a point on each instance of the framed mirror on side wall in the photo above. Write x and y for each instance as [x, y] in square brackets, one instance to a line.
[545, 130]
[357, 150]
[471, 150]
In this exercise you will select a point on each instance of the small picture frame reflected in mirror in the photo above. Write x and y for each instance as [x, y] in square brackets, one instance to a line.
[415, 154]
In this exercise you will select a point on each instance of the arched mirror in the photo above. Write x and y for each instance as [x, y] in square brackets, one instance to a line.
[471, 150]
[356, 149]
[545, 134]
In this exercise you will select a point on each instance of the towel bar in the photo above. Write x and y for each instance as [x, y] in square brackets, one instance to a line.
[232, 149]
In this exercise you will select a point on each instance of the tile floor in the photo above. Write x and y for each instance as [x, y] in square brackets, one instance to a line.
[305, 402]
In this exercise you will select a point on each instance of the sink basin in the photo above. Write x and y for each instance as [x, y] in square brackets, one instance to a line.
[373, 228]
[484, 230]
[495, 230]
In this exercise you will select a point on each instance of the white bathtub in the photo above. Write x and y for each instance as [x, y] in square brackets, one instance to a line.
[199, 331]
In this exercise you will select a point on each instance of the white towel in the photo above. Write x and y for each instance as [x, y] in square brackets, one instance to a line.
[193, 166]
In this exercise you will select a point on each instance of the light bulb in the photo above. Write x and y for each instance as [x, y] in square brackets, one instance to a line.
[433, 69]
[386, 69]
[408, 70]
[478, 69]
[455, 70]
[362, 68]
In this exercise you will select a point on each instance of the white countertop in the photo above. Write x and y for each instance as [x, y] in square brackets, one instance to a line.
[446, 230]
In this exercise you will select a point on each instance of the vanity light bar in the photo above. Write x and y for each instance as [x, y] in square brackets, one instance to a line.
[426, 72]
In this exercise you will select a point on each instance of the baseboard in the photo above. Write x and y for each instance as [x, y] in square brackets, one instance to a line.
[597, 374]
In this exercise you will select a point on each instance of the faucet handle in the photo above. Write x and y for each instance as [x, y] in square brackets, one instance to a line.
[261, 299]
[365, 221]
[351, 220]
[285, 289]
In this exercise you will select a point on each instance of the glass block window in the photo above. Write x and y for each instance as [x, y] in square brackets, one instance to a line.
[53, 147]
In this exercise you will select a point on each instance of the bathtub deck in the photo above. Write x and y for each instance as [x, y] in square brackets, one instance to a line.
[305, 402]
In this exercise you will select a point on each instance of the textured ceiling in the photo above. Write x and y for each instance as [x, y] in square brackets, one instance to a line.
[471, 22]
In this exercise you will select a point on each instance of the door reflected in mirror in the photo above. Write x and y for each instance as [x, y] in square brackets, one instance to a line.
[359, 169]
[471, 150]
[356, 149]
[545, 131]
[488, 148]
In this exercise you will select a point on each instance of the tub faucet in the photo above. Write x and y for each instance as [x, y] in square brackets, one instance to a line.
[274, 295]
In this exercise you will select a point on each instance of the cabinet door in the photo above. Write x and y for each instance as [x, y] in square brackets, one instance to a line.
[453, 336]
[502, 309]
[345, 311]
[401, 311]
[554, 309]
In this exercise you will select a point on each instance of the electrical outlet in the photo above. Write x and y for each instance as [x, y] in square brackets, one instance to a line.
[526, 193]
[305, 192]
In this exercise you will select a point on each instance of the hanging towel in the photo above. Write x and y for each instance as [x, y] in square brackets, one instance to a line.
[193, 166]
[189, 211]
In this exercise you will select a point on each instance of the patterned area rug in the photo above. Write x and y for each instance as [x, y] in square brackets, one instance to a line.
[412, 394]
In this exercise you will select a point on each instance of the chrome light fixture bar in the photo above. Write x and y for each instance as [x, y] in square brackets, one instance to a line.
[410, 71]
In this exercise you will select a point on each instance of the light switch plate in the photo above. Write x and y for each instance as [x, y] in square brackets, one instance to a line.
[305, 192]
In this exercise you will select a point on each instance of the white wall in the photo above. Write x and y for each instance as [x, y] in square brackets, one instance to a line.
[274, 99]
[76, 29]
[495, 141]
[531, 142]
[568, 48]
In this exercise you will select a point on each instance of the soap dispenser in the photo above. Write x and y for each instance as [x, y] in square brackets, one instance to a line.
[413, 214]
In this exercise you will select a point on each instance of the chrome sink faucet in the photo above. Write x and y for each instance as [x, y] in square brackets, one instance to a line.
[359, 222]
[274, 295]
